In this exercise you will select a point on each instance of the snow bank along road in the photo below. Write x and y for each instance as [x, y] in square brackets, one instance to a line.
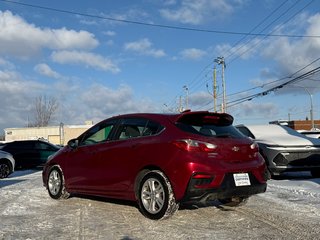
[290, 209]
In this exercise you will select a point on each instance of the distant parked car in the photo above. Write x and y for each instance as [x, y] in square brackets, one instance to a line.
[284, 149]
[29, 153]
[159, 160]
[7, 164]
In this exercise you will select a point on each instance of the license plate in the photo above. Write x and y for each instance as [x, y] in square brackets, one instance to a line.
[241, 179]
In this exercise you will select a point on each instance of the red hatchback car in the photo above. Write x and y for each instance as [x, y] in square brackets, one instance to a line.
[159, 160]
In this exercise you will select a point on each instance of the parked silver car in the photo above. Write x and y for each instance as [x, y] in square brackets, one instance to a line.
[284, 149]
[7, 164]
[313, 134]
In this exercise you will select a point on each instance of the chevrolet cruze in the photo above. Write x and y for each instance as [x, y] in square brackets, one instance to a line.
[159, 161]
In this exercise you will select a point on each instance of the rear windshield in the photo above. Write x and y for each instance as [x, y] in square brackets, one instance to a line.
[210, 125]
[211, 130]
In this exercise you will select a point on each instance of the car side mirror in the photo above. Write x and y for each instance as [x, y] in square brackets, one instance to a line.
[73, 143]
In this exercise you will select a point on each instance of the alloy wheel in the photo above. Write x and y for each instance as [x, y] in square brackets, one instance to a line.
[153, 195]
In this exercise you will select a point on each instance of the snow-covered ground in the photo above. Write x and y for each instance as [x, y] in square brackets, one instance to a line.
[290, 209]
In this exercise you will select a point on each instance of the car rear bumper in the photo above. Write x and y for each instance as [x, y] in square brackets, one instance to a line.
[227, 189]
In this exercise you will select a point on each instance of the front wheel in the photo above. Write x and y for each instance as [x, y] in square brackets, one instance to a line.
[155, 196]
[56, 184]
[4, 170]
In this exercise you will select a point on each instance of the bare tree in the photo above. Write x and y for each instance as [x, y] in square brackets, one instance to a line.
[45, 109]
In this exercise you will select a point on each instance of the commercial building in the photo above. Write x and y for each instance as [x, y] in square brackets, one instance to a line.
[54, 134]
[298, 124]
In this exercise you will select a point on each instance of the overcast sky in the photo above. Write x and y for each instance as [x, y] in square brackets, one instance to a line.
[104, 58]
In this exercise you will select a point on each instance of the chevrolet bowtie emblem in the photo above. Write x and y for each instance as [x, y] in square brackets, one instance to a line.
[235, 149]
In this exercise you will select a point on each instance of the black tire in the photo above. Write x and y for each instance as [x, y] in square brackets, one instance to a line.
[5, 170]
[55, 184]
[234, 202]
[315, 173]
[155, 196]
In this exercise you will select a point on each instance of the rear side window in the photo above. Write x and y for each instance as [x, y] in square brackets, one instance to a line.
[137, 127]
[210, 125]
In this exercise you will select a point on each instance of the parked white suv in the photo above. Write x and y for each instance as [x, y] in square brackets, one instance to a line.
[7, 164]
[284, 149]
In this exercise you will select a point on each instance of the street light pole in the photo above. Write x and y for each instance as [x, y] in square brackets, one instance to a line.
[311, 106]
[311, 109]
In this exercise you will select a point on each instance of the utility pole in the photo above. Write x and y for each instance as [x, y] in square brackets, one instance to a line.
[215, 88]
[220, 61]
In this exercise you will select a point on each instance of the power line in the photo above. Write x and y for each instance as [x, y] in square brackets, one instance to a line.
[271, 33]
[266, 92]
[259, 24]
[278, 80]
[231, 53]
[158, 25]
[299, 78]
[259, 42]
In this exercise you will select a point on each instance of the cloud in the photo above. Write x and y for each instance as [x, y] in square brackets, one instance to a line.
[76, 103]
[244, 50]
[87, 105]
[109, 33]
[200, 99]
[193, 54]
[45, 70]
[144, 47]
[293, 54]
[17, 98]
[85, 58]
[199, 12]
[6, 64]
[246, 110]
[22, 39]
[132, 14]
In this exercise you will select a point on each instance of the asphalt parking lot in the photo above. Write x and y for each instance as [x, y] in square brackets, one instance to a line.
[27, 212]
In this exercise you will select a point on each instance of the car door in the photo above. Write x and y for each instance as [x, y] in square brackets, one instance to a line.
[85, 170]
[108, 167]
[119, 158]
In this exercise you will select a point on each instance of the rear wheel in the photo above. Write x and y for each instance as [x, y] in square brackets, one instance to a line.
[155, 196]
[4, 170]
[234, 202]
[56, 184]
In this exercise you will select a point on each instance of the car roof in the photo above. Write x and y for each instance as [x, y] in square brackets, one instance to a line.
[279, 134]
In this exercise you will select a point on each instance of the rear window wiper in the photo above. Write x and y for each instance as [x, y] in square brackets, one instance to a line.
[224, 135]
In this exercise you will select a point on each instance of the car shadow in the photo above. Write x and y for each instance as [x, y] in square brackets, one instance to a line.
[105, 199]
[303, 175]
[210, 203]
[14, 178]
[7, 182]
[182, 207]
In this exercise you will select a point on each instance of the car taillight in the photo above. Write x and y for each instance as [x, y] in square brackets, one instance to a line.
[255, 147]
[194, 145]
